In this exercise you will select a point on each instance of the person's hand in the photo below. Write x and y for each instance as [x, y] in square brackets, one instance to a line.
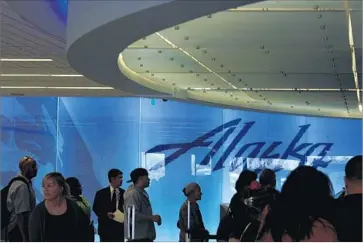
[110, 215]
[156, 219]
[159, 222]
[232, 239]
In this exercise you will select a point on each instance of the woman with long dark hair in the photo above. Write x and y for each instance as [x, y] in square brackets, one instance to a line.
[304, 210]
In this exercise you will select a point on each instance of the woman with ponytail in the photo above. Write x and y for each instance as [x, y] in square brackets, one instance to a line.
[195, 227]
[57, 218]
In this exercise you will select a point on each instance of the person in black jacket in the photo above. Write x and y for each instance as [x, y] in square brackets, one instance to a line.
[349, 211]
[268, 181]
[259, 197]
[107, 201]
[57, 218]
[237, 207]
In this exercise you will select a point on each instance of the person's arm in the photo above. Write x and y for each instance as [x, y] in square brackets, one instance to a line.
[34, 226]
[197, 232]
[23, 220]
[98, 207]
[184, 217]
[239, 216]
[121, 202]
[21, 200]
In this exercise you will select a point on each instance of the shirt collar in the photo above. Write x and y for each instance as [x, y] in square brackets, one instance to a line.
[111, 189]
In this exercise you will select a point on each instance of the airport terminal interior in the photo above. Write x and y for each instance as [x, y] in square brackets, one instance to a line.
[192, 91]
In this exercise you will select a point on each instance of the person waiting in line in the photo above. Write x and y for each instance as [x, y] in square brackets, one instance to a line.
[349, 211]
[257, 199]
[75, 188]
[196, 230]
[106, 203]
[238, 210]
[76, 195]
[303, 211]
[136, 196]
[57, 218]
[267, 180]
[21, 200]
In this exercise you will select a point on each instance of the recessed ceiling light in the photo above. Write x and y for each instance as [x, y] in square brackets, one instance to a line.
[39, 75]
[54, 87]
[66, 75]
[26, 60]
[353, 56]
[23, 75]
[201, 89]
[285, 89]
[254, 9]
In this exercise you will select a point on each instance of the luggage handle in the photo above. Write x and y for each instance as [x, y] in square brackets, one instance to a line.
[131, 227]
[187, 234]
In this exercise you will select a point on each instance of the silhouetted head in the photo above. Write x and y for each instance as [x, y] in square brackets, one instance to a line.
[306, 196]
[353, 175]
[74, 186]
[244, 180]
[28, 167]
[268, 178]
[306, 184]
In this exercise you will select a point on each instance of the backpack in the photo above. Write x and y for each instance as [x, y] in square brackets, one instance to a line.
[5, 214]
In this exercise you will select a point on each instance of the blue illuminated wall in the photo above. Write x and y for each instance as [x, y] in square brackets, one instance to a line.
[176, 142]
[60, 8]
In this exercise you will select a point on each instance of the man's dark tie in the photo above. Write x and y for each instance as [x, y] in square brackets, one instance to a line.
[113, 201]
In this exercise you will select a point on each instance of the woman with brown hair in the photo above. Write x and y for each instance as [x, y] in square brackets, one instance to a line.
[57, 218]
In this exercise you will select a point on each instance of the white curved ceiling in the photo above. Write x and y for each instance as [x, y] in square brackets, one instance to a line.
[285, 56]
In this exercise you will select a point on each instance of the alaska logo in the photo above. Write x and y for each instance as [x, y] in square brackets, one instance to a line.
[263, 150]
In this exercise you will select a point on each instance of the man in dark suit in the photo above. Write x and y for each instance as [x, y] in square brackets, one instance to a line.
[107, 201]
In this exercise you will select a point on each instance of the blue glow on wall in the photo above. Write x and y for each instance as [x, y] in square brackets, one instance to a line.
[60, 7]
[176, 142]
